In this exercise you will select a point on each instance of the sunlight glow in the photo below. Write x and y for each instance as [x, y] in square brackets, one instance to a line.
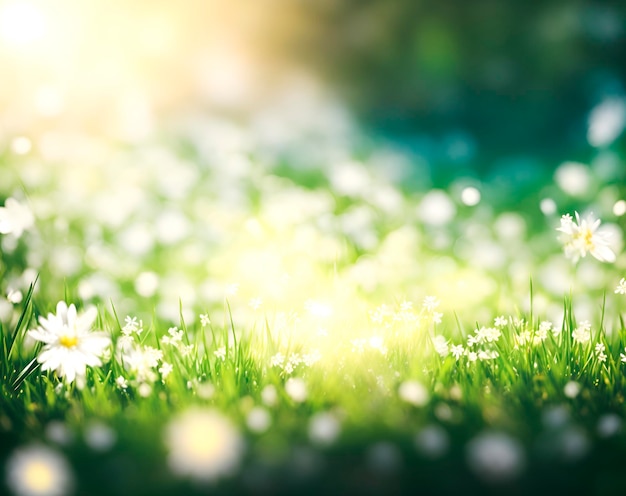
[22, 23]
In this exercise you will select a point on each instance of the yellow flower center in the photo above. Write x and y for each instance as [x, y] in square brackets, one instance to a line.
[68, 341]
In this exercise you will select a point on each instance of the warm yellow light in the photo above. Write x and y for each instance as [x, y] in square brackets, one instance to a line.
[39, 477]
[22, 23]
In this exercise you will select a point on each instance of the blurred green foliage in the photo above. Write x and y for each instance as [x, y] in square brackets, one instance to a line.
[515, 77]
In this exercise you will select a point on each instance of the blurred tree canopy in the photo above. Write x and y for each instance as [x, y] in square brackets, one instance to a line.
[519, 76]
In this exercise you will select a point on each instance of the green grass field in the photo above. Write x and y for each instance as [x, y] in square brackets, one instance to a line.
[241, 326]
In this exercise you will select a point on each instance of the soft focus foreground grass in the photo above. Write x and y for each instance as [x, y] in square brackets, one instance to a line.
[332, 263]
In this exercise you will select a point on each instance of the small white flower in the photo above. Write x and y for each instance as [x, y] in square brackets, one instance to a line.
[203, 444]
[166, 369]
[15, 296]
[277, 360]
[523, 338]
[582, 236]
[487, 354]
[132, 326]
[69, 345]
[621, 287]
[457, 350]
[38, 471]
[204, 320]
[406, 306]
[121, 382]
[142, 361]
[220, 353]
[174, 337]
[311, 358]
[15, 218]
[582, 334]
[500, 321]
[441, 346]
[546, 326]
[255, 303]
[231, 289]
[430, 303]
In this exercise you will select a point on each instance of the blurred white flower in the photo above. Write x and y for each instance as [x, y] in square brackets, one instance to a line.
[441, 346]
[296, 389]
[430, 303]
[38, 471]
[573, 178]
[142, 361]
[99, 437]
[457, 350]
[436, 208]
[582, 333]
[621, 287]
[432, 441]
[69, 345]
[609, 424]
[121, 382]
[203, 444]
[580, 237]
[15, 218]
[165, 369]
[15, 296]
[606, 122]
[600, 352]
[500, 321]
[324, 428]
[59, 433]
[269, 395]
[258, 420]
[413, 392]
[571, 389]
[220, 353]
[495, 457]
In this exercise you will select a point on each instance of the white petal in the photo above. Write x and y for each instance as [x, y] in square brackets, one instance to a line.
[62, 311]
[86, 320]
[6, 226]
[51, 359]
[71, 316]
[41, 335]
[603, 253]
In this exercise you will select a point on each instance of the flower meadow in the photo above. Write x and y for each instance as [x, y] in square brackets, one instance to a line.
[213, 313]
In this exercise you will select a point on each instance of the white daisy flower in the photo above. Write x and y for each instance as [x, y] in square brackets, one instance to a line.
[582, 334]
[15, 218]
[69, 345]
[621, 287]
[580, 237]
